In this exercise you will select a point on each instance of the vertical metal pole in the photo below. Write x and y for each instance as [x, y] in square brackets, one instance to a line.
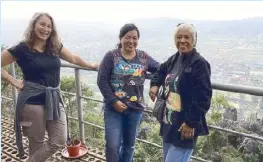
[79, 104]
[14, 91]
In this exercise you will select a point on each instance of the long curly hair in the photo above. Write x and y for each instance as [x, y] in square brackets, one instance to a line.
[53, 43]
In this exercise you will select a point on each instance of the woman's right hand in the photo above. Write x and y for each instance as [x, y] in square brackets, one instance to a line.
[19, 84]
[153, 92]
[119, 106]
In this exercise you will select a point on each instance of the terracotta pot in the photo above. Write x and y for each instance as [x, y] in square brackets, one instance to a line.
[73, 149]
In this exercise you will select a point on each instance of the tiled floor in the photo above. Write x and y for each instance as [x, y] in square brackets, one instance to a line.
[9, 150]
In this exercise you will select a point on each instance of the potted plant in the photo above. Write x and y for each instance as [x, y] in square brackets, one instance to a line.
[73, 147]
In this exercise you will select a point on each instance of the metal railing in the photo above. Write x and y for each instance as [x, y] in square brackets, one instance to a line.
[223, 87]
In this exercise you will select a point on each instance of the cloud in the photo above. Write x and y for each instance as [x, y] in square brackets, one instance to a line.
[120, 11]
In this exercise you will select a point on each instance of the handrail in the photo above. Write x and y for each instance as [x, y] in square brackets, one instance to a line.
[150, 112]
[210, 126]
[217, 86]
[252, 90]
[7, 98]
[75, 67]
[138, 139]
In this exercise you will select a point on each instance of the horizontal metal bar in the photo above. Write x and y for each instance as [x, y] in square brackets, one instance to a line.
[75, 67]
[252, 90]
[7, 98]
[235, 132]
[150, 143]
[69, 93]
[88, 123]
[210, 126]
[148, 111]
[140, 140]
[84, 97]
[200, 159]
[92, 99]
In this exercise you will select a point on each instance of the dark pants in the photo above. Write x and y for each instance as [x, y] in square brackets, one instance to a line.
[120, 133]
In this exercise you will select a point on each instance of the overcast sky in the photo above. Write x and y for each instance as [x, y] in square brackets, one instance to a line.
[124, 11]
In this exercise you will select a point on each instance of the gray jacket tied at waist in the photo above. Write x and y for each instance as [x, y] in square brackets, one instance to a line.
[52, 107]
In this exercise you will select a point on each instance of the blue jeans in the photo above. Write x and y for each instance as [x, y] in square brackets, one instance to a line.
[120, 133]
[172, 153]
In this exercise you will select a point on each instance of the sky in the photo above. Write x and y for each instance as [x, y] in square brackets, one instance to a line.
[123, 11]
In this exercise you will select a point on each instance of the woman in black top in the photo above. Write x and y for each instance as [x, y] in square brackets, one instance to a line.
[38, 56]
[185, 78]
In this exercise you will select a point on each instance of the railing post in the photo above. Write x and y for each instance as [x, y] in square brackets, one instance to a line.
[14, 91]
[79, 104]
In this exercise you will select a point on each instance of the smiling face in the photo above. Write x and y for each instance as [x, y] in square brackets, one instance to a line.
[43, 28]
[184, 40]
[129, 41]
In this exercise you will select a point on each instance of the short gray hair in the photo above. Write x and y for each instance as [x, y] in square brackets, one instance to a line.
[191, 29]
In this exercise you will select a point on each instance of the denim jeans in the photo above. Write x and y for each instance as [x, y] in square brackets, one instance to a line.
[172, 153]
[120, 133]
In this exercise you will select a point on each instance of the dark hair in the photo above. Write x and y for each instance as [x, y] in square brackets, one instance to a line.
[125, 29]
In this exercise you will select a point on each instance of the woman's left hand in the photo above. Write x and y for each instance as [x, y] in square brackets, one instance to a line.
[186, 132]
[153, 92]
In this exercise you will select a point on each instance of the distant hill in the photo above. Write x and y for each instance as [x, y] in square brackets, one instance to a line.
[93, 39]
[251, 26]
[160, 26]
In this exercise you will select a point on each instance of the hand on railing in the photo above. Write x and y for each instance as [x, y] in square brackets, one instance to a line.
[95, 66]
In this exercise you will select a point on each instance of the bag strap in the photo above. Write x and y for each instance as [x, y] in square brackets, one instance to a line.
[160, 92]
[179, 74]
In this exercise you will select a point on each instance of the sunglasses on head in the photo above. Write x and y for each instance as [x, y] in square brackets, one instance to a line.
[183, 23]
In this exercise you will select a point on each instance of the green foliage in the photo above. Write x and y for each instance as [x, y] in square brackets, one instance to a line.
[67, 84]
[146, 152]
[256, 156]
[218, 104]
[230, 154]
[5, 88]
[220, 101]
[94, 136]
[214, 147]
[251, 158]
